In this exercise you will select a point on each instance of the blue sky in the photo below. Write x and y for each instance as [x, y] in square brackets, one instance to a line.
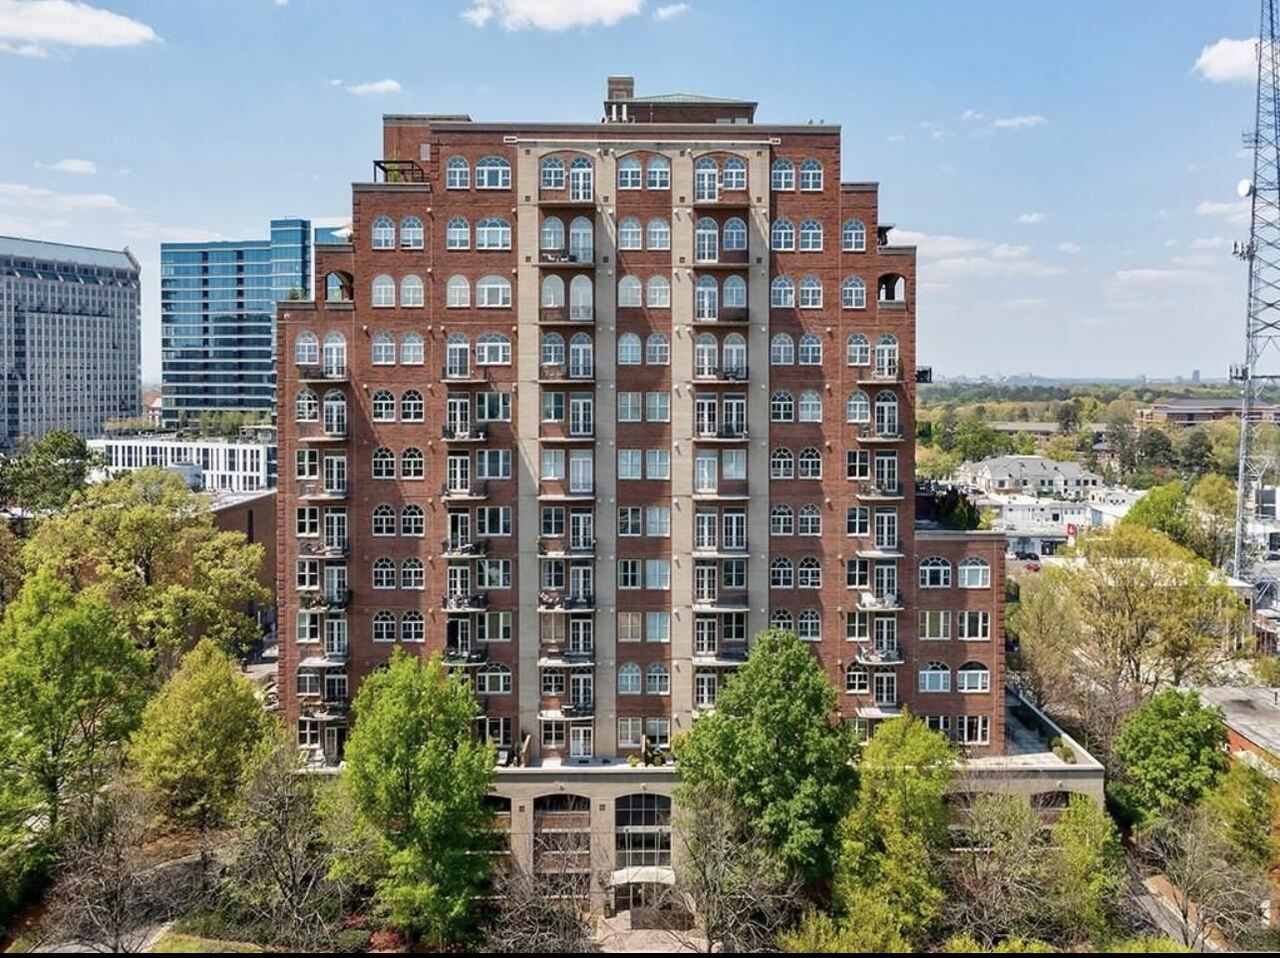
[1068, 169]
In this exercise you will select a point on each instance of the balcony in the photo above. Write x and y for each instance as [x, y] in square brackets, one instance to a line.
[721, 199]
[556, 315]
[457, 656]
[718, 374]
[316, 492]
[882, 436]
[576, 372]
[726, 491]
[888, 373]
[464, 491]
[464, 549]
[722, 550]
[565, 602]
[327, 373]
[578, 708]
[400, 171]
[870, 602]
[884, 655]
[336, 547]
[556, 547]
[730, 656]
[464, 601]
[721, 314]
[566, 259]
[877, 491]
[453, 432]
[332, 432]
[882, 709]
[557, 656]
[730, 432]
[331, 600]
[881, 550]
[720, 603]
[467, 374]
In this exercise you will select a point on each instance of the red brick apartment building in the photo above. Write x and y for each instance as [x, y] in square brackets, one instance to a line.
[585, 406]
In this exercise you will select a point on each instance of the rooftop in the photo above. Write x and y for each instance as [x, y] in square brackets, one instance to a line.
[67, 253]
[220, 499]
[1029, 467]
[1252, 712]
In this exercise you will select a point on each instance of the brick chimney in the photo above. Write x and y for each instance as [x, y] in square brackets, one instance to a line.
[621, 88]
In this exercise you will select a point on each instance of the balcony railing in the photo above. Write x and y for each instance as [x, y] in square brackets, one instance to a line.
[399, 171]
[873, 490]
[568, 601]
[328, 599]
[575, 544]
[475, 489]
[582, 372]
[465, 547]
[871, 602]
[885, 655]
[733, 374]
[326, 372]
[579, 708]
[472, 433]
[456, 655]
[464, 601]
[560, 257]
[313, 490]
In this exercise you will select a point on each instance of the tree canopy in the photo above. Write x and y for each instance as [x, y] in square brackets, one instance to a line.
[47, 472]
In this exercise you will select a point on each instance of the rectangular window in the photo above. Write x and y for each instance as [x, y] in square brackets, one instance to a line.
[974, 729]
[974, 625]
[658, 463]
[553, 407]
[629, 521]
[657, 407]
[553, 464]
[493, 407]
[857, 573]
[657, 521]
[657, 627]
[657, 574]
[552, 521]
[630, 627]
[935, 624]
[857, 464]
[734, 464]
[307, 463]
[630, 731]
[308, 521]
[629, 407]
[493, 574]
[493, 464]
[628, 573]
[493, 521]
[630, 464]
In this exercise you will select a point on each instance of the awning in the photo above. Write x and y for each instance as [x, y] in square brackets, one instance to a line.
[643, 875]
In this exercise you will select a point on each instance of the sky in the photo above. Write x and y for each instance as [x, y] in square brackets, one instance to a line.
[1068, 170]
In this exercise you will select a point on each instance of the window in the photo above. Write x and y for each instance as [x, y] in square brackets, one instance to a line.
[809, 626]
[973, 729]
[630, 235]
[853, 294]
[493, 173]
[810, 293]
[781, 521]
[457, 234]
[735, 235]
[493, 232]
[811, 236]
[658, 464]
[782, 237]
[735, 174]
[658, 292]
[306, 349]
[781, 407]
[735, 292]
[411, 236]
[551, 236]
[659, 234]
[934, 677]
[411, 406]
[457, 292]
[493, 291]
[974, 625]
[493, 680]
[384, 520]
[581, 240]
[630, 464]
[974, 573]
[630, 174]
[629, 574]
[809, 573]
[858, 350]
[384, 573]
[412, 349]
[810, 408]
[810, 350]
[629, 292]
[629, 350]
[412, 464]
[457, 174]
[384, 627]
[657, 407]
[973, 677]
[782, 350]
[306, 406]
[781, 619]
[629, 678]
[384, 290]
[782, 293]
[706, 298]
[782, 176]
[658, 174]
[493, 349]
[809, 464]
[853, 236]
[412, 521]
[935, 573]
[553, 349]
[782, 574]
[658, 679]
[384, 464]
[629, 407]
[810, 521]
[552, 291]
[553, 173]
[411, 291]
[858, 407]
[782, 464]
[706, 241]
[384, 233]
[856, 680]
[886, 356]
[810, 176]
[657, 350]
[382, 350]
[935, 625]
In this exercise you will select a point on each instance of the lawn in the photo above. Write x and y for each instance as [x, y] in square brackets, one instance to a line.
[189, 944]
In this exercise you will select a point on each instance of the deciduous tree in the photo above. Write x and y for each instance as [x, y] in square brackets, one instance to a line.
[47, 472]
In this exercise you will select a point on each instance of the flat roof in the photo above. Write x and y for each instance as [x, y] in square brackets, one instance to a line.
[607, 131]
[220, 499]
[1251, 711]
[67, 253]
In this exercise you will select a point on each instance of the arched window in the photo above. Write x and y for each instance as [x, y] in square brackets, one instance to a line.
[411, 406]
[493, 349]
[457, 173]
[384, 520]
[457, 292]
[581, 356]
[706, 298]
[858, 407]
[886, 413]
[706, 179]
[306, 349]
[333, 354]
[810, 176]
[935, 573]
[810, 520]
[412, 627]
[493, 232]
[892, 288]
[412, 352]
[658, 679]
[658, 173]
[782, 350]
[581, 178]
[853, 237]
[493, 173]
[384, 463]
[858, 350]
[411, 236]
[384, 233]
[630, 174]
[782, 620]
[630, 677]
[886, 356]
[811, 236]
[337, 288]
[384, 626]
[457, 234]
[382, 406]
[411, 463]
[706, 241]
[974, 573]
[412, 292]
[735, 174]
[582, 298]
[581, 240]
[412, 574]
[658, 294]
[735, 235]
[551, 236]
[630, 292]
[493, 292]
[552, 350]
[782, 520]
[493, 679]
[630, 234]
[973, 677]
[382, 349]
[659, 231]
[657, 350]
[629, 350]
[384, 290]
[782, 236]
[552, 291]
[782, 407]
[853, 293]
[735, 356]
[856, 679]
[782, 574]
[412, 521]
[809, 464]
[809, 574]
[935, 677]
[457, 355]
[782, 464]
[735, 292]
[782, 293]
[553, 173]
[306, 406]
[810, 293]
[706, 355]
[782, 175]
[384, 573]
[810, 350]
[809, 626]
[810, 408]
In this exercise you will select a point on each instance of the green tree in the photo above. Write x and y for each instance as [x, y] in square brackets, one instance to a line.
[974, 440]
[1087, 874]
[73, 687]
[1171, 751]
[419, 776]
[198, 736]
[1155, 448]
[873, 932]
[1213, 502]
[1245, 801]
[1061, 449]
[933, 463]
[772, 744]
[1124, 442]
[10, 566]
[1024, 444]
[151, 545]
[48, 472]
[1196, 454]
[1068, 417]
[1164, 510]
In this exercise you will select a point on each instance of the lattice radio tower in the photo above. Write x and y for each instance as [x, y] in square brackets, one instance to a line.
[1261, 368]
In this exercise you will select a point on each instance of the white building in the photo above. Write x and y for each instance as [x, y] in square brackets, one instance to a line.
[1028, 475]
[229, 465]
[1039, 525]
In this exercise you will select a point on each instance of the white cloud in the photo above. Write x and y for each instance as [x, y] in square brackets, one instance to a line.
[962, 257]
[83, 167]
[1210, 242]
[29, 28]
[896, 138]
[671, 10]
[1030, 219]
[1148, 276]
[972, 116]
[1024, 122]
[1233, 211]
[1071, 249]
[1228, 60]
[39, 198]
[376, 88]
[550, 14]
[336, 81]
[1196, 260]
[140, 230]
